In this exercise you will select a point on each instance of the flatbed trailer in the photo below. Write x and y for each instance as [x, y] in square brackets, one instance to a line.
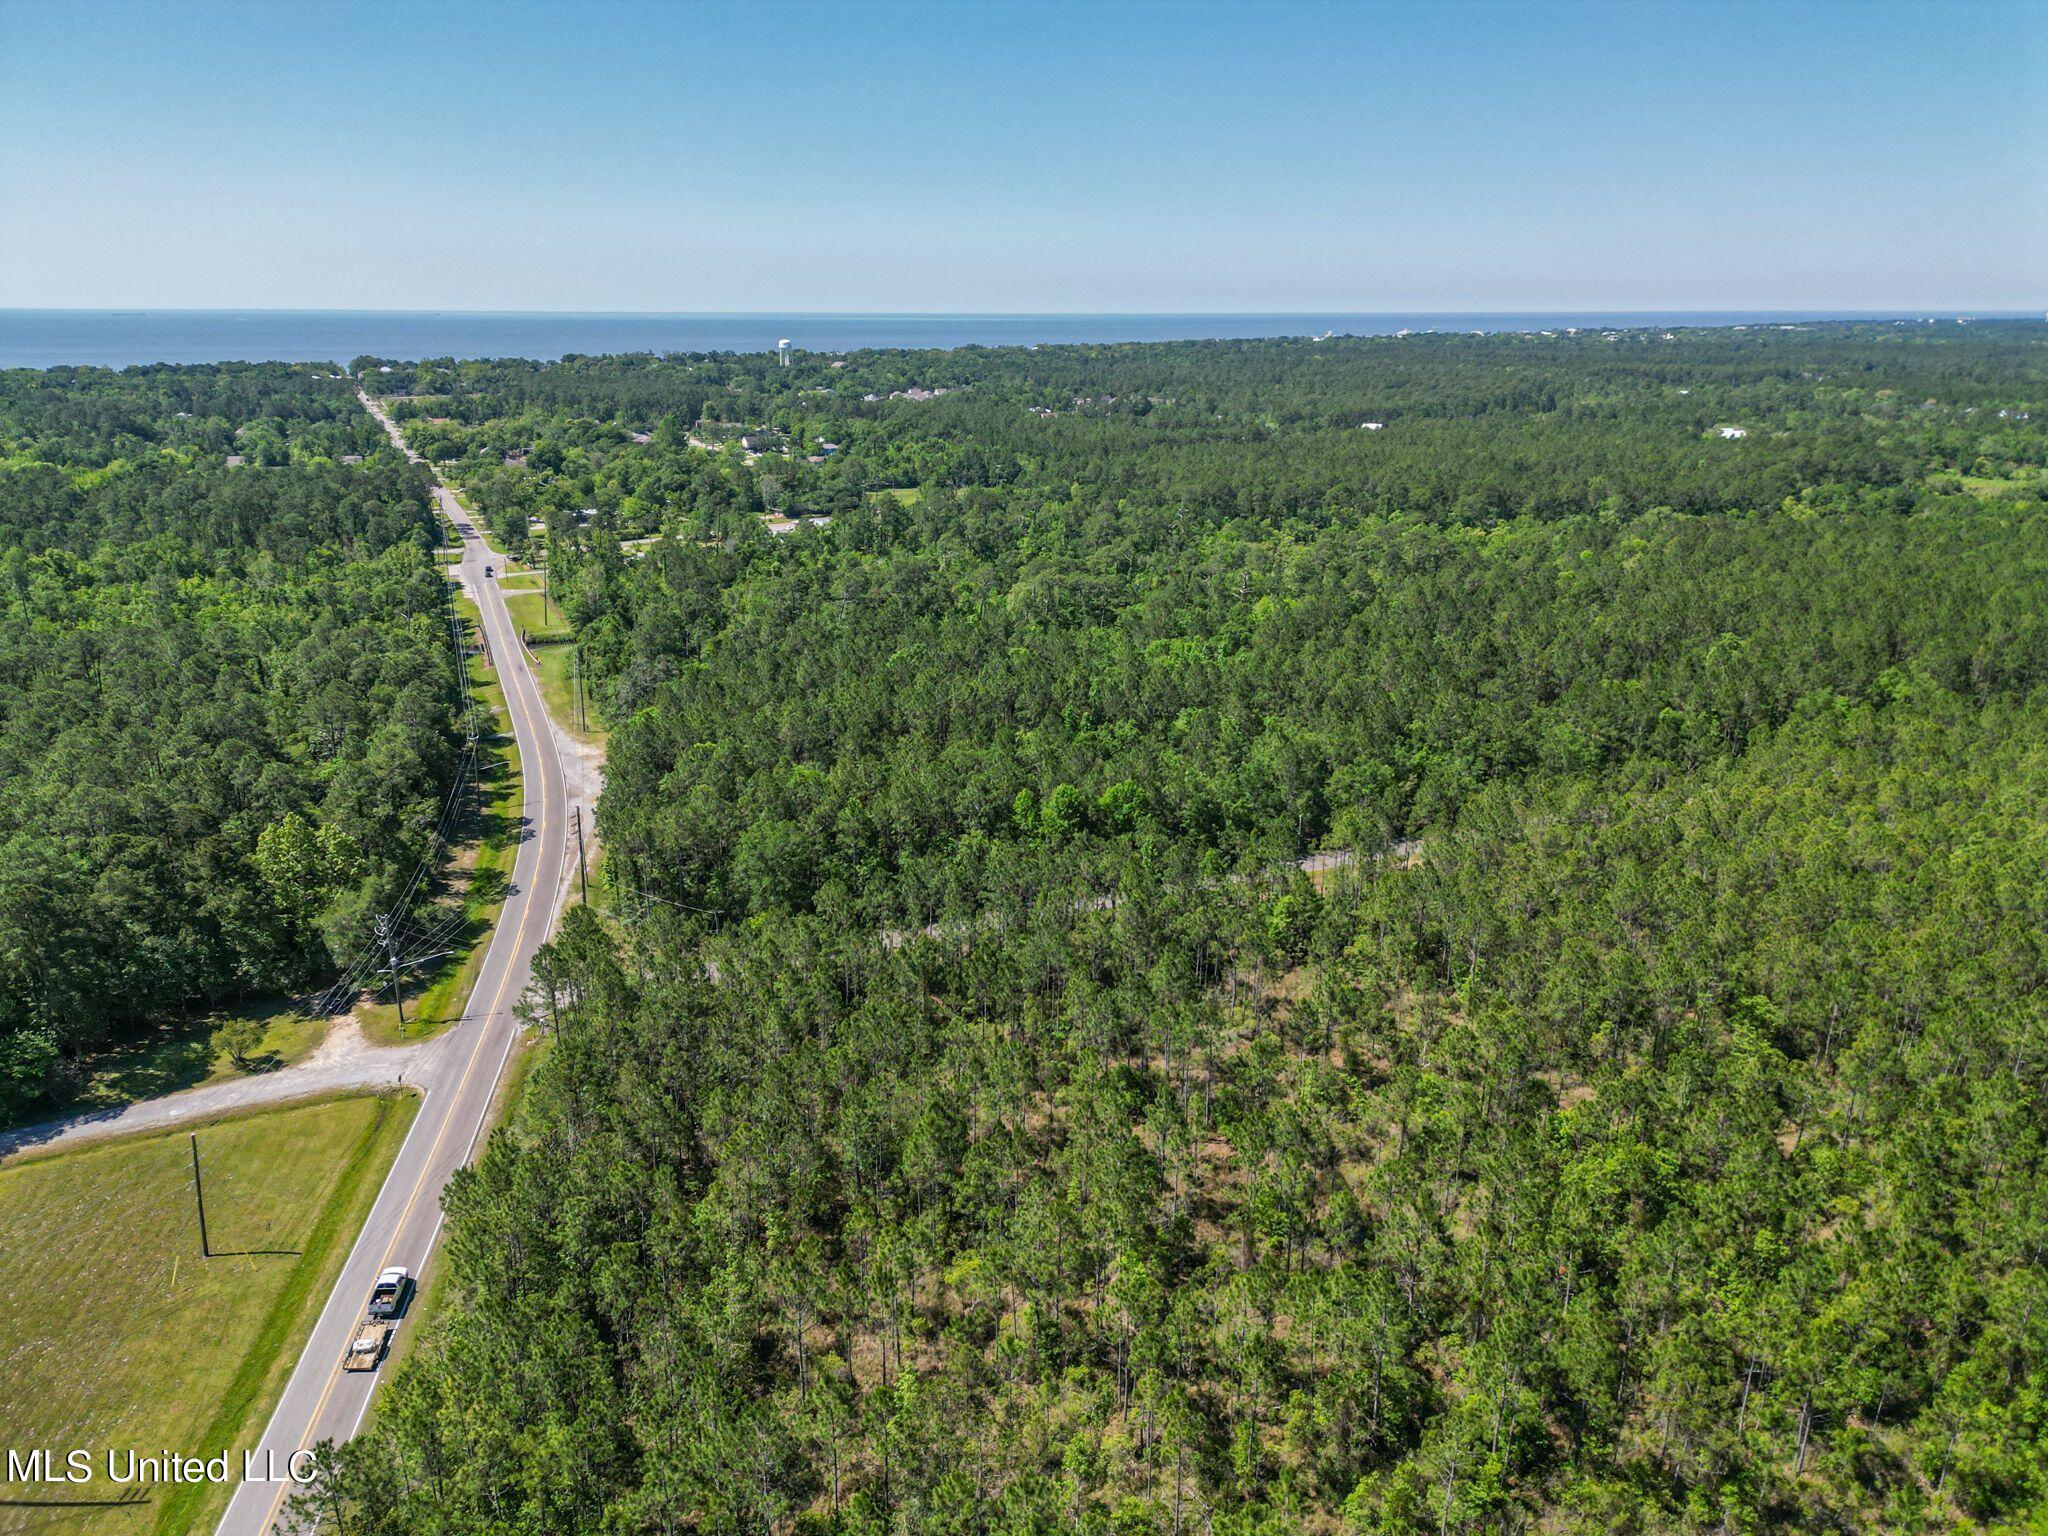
[366, 1349]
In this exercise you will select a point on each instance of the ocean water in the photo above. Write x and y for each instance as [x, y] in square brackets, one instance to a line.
[109, 338]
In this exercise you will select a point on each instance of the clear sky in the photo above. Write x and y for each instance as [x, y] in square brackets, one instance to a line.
[1023, 157]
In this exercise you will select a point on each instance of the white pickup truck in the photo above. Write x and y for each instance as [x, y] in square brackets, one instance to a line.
[388, 1296]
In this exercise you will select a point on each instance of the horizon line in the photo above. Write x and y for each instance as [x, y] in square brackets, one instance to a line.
[1862, 311]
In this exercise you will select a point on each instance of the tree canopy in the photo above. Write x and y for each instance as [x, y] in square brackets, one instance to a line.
[1176, 961]
[227, 696]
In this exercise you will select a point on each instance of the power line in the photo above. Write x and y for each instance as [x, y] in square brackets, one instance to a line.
[680, 906]
[396, 939]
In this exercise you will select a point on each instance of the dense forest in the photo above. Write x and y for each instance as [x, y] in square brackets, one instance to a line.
[1416, 934]
[227, 696]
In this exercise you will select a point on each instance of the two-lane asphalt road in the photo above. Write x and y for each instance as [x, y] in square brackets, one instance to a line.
[321, 1402]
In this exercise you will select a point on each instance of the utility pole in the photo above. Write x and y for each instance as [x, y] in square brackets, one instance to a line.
[582, 877]
[576, 665]
[459, 632]
[387, 935]
[199, 1194]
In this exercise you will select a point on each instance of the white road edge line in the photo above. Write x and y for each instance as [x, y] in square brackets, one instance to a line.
[334, 1295]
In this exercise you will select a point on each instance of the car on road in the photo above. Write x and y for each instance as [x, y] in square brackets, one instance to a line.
[490, 570]
[367, 1347]
[388, 1295]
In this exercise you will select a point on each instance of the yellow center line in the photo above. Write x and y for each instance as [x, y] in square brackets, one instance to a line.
[426, 1169]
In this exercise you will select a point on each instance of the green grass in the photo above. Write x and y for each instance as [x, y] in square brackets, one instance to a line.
[479, 876]
[181, 1054]
[1992, 487]
[909, 495]
[555, 669]
[527, 617]
[115, 1332]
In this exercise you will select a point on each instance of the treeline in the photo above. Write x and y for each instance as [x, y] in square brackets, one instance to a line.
[969, 1117]
[1467, 428]
[879, 724]
[226, 703]
[1643, 1159]
[264, 411]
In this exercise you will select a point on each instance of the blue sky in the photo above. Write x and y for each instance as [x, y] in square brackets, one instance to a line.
[1031, 157]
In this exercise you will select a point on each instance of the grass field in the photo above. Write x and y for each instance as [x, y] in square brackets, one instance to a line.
[527, 617]
[1991, 488]
[480, 874]
[555, 667]
[114, 1332]
[181, 1054]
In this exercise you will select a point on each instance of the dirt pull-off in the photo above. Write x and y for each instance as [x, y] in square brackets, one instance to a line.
[345, 1059]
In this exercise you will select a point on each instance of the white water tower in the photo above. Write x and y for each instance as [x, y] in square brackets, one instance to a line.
[782, 351]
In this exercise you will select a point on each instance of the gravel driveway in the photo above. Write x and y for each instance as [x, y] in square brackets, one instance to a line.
[343, 1060]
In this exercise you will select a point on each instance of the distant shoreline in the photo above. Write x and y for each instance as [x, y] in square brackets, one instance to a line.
[109, 338]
